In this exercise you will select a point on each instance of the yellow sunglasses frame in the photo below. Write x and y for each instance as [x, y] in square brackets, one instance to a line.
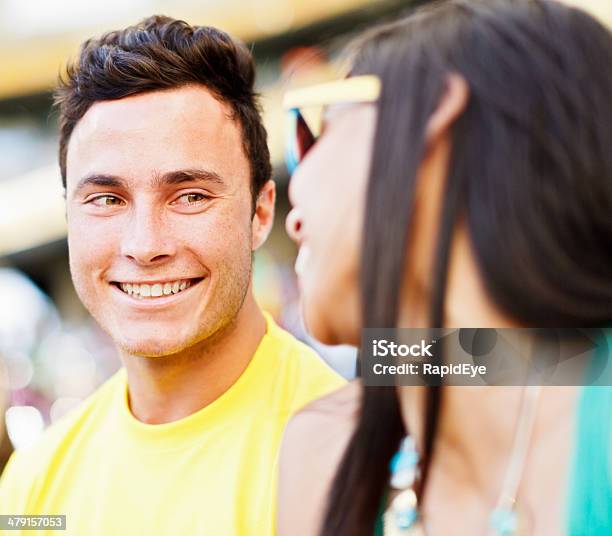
[364, 88]
[355, 89]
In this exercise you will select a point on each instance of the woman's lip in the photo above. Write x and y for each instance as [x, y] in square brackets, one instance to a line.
[301, 259]
[154, 303]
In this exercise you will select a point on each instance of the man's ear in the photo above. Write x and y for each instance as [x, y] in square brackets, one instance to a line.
[451, 106]
[263, 217]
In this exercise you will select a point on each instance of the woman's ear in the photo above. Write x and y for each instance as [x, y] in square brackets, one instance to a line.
[451, 106]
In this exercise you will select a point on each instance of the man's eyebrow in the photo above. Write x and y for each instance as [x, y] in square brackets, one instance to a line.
[188, 175]
[100, 180]
[169, 178]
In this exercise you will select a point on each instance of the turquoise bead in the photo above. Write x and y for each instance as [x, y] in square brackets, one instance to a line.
[504, 521]
[403, 460]
[405, 518]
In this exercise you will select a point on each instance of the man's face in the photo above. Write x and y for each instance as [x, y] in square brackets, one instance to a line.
[159, 218]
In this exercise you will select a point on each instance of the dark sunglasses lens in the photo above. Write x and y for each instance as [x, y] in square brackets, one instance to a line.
[304, 138]
[299, 142]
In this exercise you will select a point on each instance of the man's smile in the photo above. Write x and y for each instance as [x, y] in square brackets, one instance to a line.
[154, 293]
[156, 289]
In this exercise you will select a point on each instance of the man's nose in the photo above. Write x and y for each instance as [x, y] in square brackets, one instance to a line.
[293, 225]
[146, 239]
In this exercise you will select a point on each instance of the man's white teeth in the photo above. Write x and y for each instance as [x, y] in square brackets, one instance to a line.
[154, 291]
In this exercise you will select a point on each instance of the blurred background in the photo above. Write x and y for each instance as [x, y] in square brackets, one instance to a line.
[52, 355]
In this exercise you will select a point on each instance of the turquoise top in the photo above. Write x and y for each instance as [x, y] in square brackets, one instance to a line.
[589, 507]
[590, 495]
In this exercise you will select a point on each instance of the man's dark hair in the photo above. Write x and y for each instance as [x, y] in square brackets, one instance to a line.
[164, 53]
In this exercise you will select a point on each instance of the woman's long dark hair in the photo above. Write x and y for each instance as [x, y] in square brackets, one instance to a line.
[530, 172]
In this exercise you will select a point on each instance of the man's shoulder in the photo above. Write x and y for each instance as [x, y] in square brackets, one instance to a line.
[28, 464]
[294, 349]
[306, 374]
[301, 358]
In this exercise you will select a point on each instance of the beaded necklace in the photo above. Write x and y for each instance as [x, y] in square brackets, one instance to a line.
[402, 517]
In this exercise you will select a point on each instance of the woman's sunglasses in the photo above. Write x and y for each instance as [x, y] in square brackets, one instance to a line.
[305, 109]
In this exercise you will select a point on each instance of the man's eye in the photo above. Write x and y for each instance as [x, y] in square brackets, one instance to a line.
[106, 201]
[190, 198]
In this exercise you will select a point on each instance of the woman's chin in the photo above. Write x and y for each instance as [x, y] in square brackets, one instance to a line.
[328, 329]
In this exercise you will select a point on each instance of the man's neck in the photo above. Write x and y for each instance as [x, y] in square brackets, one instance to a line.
[169, 388]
